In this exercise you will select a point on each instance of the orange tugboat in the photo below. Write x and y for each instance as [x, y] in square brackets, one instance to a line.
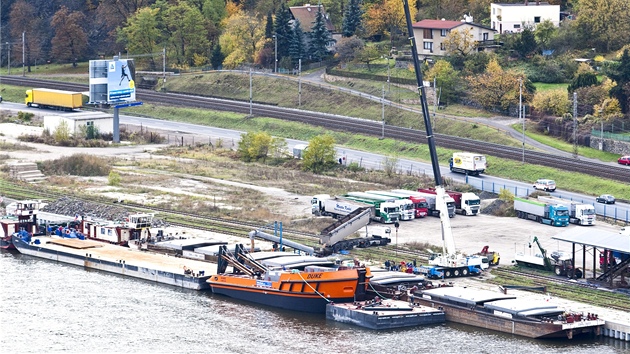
[296, 286]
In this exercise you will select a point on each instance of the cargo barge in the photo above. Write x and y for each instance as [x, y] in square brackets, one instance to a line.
[159, 268]
[294, 283]
[384, 314]
[506, 313]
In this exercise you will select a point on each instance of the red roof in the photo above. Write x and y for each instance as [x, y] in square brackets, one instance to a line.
[438, 24]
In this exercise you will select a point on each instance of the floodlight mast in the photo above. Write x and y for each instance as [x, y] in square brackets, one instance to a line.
[448, 248]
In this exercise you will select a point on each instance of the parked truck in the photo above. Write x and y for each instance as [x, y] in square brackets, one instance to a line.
[545, 213]
[432, 203]
[466, 203]
[579, 213]
[405, 204]
[468, 163]
[385, 209]
[336, 207]
[53, 99]
[420, 205]
[559, 262]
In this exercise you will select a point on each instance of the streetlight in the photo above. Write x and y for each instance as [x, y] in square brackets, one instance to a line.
[275, 54]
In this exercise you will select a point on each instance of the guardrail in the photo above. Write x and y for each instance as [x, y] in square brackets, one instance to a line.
[604, 210]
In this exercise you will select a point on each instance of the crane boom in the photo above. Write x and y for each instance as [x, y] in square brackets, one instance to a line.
[447, 233]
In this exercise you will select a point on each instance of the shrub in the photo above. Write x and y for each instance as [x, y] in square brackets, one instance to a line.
[77, 165]
[113, 179]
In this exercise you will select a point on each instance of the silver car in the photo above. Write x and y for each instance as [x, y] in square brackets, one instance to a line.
[606, 199]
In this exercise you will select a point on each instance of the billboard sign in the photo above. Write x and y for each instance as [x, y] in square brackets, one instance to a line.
[121, 76]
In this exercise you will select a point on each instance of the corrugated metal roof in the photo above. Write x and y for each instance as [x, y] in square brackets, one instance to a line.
[596, 238]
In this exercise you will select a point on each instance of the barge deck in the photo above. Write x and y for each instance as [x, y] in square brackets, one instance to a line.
[160, 268]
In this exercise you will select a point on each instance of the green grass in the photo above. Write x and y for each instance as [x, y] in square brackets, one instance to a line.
[577, 182]
[568, 147]
[542, 86]
[49, 69]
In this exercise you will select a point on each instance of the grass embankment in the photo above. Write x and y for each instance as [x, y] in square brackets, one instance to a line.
[568, 147]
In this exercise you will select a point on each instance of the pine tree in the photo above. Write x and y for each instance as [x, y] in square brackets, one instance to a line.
[269, 26]
[320, 37]
[352, 19]
[282, 30]
[297, 46]
[217, 57]
[621, 75]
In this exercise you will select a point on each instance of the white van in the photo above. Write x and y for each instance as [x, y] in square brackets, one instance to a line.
[547, 185]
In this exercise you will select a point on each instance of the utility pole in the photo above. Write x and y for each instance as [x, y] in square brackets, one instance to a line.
[388, 84]
[164, 69]
[23, 54]
[251, 94]
[575, 147]
[300, 82]
[275, 54]
[8, 59]
[383, 113]
[520, 112]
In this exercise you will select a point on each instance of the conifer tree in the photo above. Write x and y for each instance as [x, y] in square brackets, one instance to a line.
[320, 37]
[352, 19]
[297, 46]
[282, 30]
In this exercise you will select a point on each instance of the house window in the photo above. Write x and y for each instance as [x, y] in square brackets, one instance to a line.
[427, 33]
[536, 19]
[428, 46]
[443, 33]
[485, 36]
[89, 123]
[442, 46]
[517, 26]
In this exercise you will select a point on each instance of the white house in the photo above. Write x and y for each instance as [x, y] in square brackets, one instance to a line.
[512, 17]
[103, 122]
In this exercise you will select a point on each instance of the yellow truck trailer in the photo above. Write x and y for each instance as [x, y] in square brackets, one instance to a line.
[55, 99]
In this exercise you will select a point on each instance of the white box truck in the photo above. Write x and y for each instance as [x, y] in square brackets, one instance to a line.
[468, 163]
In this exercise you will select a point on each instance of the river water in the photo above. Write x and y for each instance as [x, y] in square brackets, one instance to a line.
[52, 307]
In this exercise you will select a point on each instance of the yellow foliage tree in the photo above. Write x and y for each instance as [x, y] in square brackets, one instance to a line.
[387, 17]
[555, 102]
[242, 38]
[460, 42]
[496, 88]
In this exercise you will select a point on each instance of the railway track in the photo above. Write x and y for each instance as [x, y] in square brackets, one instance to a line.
[358, 126]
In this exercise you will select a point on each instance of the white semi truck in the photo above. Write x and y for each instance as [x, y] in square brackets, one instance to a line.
[337, 207]
[579, 213]
[468, 163]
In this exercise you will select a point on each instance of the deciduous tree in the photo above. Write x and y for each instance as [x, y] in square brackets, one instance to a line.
[604, 24]
[348, 48]
[460, 41]
[496, 88]
[141, 33]
[187, 33]
[24, 20]
[242, 38]
[70, 40]
[446, 78]
[320, 154]
[554, 102]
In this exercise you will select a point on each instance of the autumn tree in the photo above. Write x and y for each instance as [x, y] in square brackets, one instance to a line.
[259, 146]
[141, 33]
[620, 73]
[388, 17]
[368, 54]
[187, 34]
[460, 41]
[604, 24]
[496, 88]
[70, 40]
[446, 78]
[553, 102]
[242, 38]
[320, 154]
[321, 37]
[24, 20]
[352, 19]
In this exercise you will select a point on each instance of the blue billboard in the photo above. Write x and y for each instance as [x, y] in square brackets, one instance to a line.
[121, 85]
